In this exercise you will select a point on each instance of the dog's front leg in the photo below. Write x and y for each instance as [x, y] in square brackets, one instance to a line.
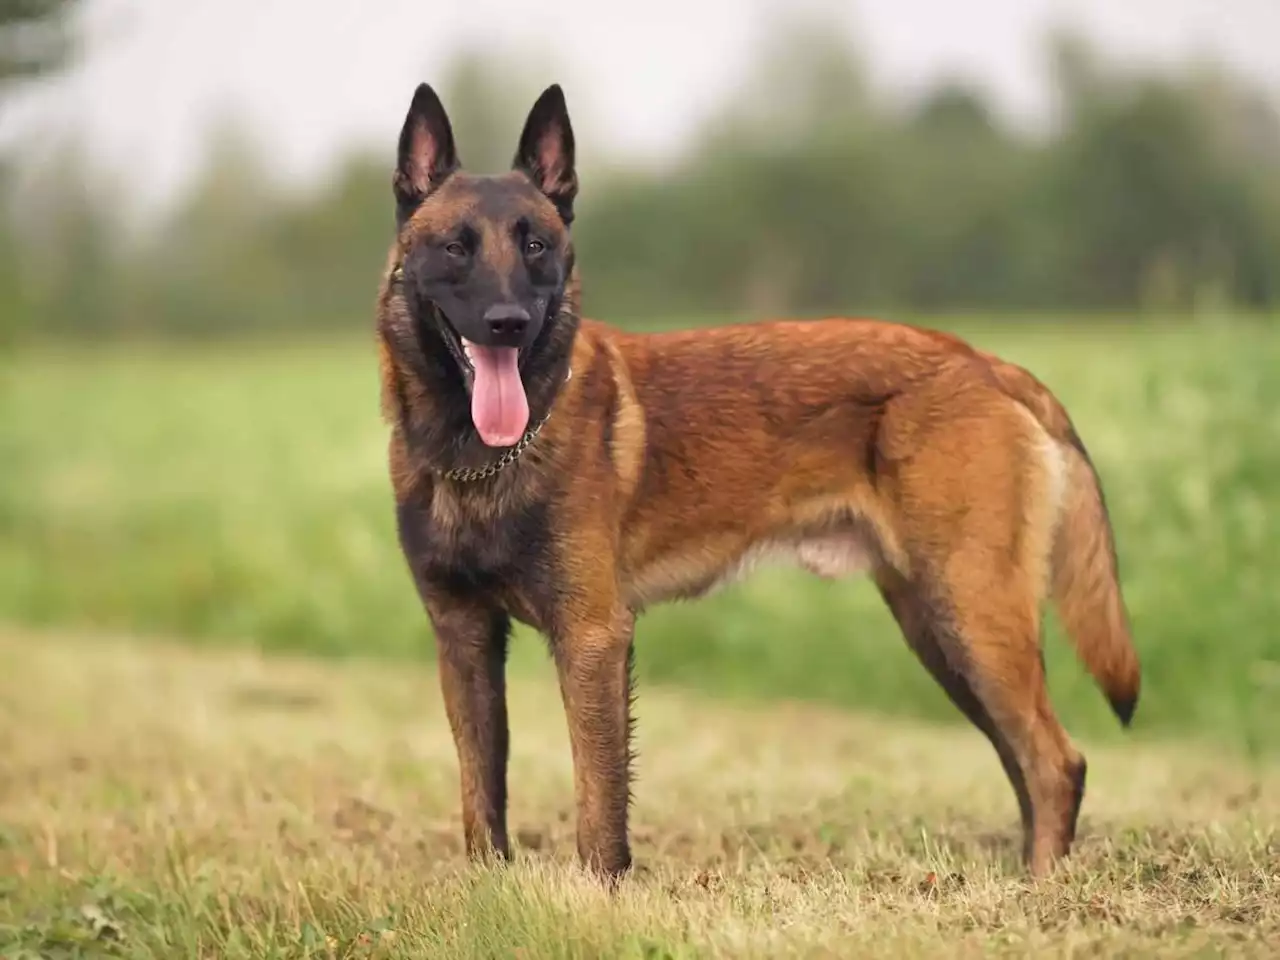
[471, 640]
[593, 659]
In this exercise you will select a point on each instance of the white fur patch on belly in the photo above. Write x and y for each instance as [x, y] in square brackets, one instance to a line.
[835, 555]
[829, 555]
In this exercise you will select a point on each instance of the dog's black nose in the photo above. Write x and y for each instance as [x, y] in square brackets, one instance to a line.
[507, 323]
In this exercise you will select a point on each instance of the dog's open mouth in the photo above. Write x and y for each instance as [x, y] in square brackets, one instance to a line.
[499, 406]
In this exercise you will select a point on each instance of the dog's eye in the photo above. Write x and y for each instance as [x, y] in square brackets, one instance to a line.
[534, 247]
[455, 249]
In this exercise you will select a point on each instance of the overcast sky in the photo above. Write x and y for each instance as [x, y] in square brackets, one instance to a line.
[312, 75]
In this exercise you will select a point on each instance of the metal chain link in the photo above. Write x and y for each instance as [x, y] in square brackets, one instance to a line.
[467, 474]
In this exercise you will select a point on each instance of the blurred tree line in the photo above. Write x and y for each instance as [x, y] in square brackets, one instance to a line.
[807, 192]
[33, 41]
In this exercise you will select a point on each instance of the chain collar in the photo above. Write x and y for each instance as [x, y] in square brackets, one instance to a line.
[510, 456]
[467, 475]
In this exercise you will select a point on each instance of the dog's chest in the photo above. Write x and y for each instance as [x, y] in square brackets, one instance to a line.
[497, 556]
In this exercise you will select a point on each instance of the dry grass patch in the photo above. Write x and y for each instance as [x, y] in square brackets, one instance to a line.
[164, 802]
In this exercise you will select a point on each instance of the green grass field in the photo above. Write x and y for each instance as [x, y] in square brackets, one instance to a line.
[158, 800]
[239, 494]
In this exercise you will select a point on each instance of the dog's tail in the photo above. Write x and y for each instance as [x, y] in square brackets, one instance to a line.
[1085, 580]
[1086, 586]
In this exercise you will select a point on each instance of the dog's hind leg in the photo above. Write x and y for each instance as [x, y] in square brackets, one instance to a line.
[969, 600]
[984, 651]
[925, 632]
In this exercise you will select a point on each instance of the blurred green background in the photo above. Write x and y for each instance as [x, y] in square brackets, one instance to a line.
[190, 444]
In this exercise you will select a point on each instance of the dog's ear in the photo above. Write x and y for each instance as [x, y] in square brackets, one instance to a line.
[427, 155]
[545, 153]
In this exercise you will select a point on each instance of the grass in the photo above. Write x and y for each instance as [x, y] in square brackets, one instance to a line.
[162, 801]
[238, 494]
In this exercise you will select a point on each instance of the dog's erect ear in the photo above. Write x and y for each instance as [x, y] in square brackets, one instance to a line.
[427, 155]
[545, 153]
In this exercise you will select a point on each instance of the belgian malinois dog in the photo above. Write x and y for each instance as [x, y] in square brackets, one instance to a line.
[555, 470]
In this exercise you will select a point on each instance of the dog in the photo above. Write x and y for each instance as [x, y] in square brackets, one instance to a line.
[554, 470]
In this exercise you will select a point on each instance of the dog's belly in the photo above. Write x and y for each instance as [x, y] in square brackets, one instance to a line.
[703, 569]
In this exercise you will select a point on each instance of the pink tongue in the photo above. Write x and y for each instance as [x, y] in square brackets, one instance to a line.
[499, 408]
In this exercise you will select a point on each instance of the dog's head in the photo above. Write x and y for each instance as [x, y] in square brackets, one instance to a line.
[483, 262]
